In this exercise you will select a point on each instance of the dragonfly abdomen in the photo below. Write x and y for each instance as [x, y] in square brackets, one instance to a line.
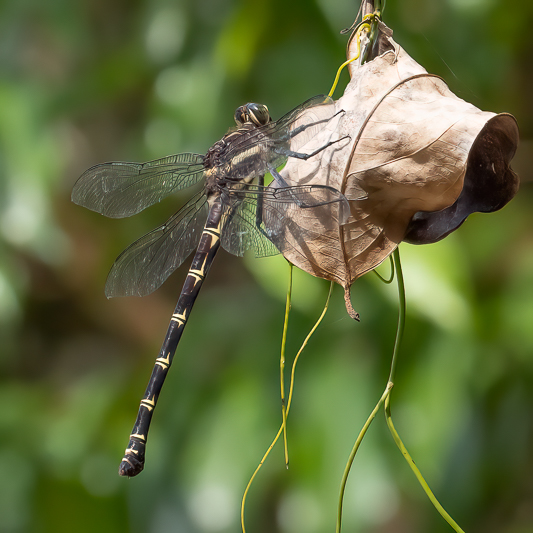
[133, 460]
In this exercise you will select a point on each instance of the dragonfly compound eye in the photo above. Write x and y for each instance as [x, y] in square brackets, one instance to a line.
[241, 115]
[258, 114]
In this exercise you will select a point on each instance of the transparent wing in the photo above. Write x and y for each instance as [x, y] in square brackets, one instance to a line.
[148, 262]
[268, 221]
[297, 217]
[121, 189]
[243, 229]
[290, 132]
[301, 124]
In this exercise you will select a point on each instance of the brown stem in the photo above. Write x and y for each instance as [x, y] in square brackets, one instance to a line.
[349, 307]
[367, 7]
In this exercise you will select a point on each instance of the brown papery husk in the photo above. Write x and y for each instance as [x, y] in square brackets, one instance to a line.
[411, 144]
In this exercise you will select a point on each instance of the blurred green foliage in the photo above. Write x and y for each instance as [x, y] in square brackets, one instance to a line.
[82, 82]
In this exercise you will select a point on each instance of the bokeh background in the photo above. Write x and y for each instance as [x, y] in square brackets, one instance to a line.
[83, 82]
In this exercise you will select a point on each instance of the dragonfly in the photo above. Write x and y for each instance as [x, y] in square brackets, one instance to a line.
[233, 209]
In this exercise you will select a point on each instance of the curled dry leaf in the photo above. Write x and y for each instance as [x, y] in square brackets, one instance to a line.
[418, 161]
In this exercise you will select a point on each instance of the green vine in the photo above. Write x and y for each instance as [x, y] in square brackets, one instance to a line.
[385, 399]
[291, 385]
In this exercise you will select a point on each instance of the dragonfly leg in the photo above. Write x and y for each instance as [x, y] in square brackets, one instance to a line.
[298, 155]
[259, 209]
[336, 197]
[278, 178]
[282, 183]
[303, 127]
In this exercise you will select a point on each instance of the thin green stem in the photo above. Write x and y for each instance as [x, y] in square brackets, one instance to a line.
[289, 401]
[391, 277]
[401, 312]
[348, 467]
[396, 269]
[362, 26]
[388, 416]
[304, 344]
[417, 472]
[282, 366]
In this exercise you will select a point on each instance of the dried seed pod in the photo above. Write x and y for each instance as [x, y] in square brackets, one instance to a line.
[418, 162]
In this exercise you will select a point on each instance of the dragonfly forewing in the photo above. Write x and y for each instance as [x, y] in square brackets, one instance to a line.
[122, 189]
[304, 122]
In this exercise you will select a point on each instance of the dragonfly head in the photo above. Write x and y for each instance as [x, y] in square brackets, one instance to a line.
[256, 114]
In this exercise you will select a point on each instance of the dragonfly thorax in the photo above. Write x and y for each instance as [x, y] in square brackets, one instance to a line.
[214, 154]
[237, 157]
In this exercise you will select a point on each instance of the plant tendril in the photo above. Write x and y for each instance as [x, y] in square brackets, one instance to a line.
[391, 277]
[282, 366]
[289, 400]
